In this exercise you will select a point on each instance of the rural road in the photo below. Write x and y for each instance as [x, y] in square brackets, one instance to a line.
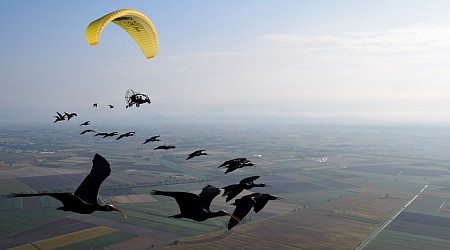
[374, 234]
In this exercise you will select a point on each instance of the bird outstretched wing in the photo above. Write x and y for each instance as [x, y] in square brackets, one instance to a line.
[243, 207]
[207, 195]
[65, 198]
[234, 192]
[228, 189]
[187, 202]
[249, 179]
[88, 189]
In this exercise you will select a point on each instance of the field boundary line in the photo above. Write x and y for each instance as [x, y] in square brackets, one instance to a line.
[385, 224]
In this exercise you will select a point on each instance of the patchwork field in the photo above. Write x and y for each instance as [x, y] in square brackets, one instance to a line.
[45, 231]
[33, 171]
[421, 224]
[328, 204]
[70, 238]
[11, 185]
[406, 234]
[302, 229]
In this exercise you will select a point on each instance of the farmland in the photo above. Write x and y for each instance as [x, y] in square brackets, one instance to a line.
[328, 204]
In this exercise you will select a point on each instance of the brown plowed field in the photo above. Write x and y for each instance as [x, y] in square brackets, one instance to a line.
[365, 204]
[32, 171]
[305, 229]
[140, 242]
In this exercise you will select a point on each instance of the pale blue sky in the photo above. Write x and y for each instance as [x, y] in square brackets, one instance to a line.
[380, 61]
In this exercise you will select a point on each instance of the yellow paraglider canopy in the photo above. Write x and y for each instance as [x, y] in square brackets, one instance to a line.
[134, 22]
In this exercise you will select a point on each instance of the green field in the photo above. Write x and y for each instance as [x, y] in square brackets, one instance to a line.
[394, 240]
[11, 185]
[16, 220]
[100, 242]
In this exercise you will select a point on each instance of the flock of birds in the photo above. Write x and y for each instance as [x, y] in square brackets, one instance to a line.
[60, 117]
[192, 206]
[197, 207]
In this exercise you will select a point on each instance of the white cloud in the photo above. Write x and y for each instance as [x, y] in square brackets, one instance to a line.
[417, 37]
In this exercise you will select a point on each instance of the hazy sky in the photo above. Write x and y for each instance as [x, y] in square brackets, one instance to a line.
[385, 61]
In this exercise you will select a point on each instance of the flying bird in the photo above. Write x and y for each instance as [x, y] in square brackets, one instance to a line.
[105, 134]
[87, 131]
[85, 123]
[94, 105]
[196, 153]
[233, 190]
[245, 204]
[233, 160]
[59, 117]
[84, 199]
[110, 134]
[69, 116]
[234, 164]
[125, 135]
[196, 207]
[164, 147]
[151, 139]
[111, 106]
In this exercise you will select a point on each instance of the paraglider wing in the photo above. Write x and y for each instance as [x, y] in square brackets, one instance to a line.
[138, 26]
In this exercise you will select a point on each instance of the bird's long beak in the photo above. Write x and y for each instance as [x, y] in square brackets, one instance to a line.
[279, 198]
[267, 185]
[234, 217]
[120, 211]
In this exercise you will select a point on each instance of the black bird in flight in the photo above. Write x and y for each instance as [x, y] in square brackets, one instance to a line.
[196, 207]
[233, 160]
[233, 190]
[87, 131]
[111, 106]
[110, 134]
[94, 105]
[59, 117]
[245, 204]
[85, 123]
[151, 139]
[164, 147]
[125, 135]
[69, 116]
[196, 153]
[234, 164]
[84, 199]
[105, 134]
